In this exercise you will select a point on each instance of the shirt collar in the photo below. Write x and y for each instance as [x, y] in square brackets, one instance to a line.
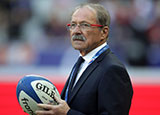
[89, 56]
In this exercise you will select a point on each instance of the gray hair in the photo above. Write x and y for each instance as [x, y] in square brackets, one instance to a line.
[103, 17]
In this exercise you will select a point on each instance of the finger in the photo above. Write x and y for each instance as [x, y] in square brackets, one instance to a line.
[45, 106]
[40, 112]
[57, 99]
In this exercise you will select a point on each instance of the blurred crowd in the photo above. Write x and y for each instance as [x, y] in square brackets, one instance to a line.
[33, 32]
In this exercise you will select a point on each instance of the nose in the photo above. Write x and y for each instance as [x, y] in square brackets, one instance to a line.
[77, 29]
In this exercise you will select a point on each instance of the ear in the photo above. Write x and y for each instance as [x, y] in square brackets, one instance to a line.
[104, 32]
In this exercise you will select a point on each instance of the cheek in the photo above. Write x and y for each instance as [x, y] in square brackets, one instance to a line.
[92, 37]
[71, 35]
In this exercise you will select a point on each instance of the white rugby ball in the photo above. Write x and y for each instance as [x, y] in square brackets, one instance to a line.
[34, 89]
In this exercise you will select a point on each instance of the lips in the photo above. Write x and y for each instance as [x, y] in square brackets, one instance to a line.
[77, 39]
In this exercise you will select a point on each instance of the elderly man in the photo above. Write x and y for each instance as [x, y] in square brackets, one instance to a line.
[99, 83]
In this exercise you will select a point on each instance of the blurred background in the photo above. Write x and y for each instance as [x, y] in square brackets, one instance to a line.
[33, 32]
[34, 40]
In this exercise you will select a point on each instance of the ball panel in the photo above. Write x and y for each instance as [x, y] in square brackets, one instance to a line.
[27, 103]
[25, 85]
[45, 91]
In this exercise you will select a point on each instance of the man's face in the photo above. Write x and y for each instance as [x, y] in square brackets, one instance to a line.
[92, 36]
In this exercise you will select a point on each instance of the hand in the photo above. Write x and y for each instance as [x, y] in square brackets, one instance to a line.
[61, 109]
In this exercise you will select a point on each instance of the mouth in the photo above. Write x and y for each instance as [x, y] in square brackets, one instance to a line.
[77, 39]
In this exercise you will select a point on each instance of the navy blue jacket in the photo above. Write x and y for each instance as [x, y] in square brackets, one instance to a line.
[104, 88]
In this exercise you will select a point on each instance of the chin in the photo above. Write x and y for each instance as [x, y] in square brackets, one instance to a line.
[77, 48]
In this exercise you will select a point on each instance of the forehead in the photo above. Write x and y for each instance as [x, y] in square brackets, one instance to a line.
[84, 14]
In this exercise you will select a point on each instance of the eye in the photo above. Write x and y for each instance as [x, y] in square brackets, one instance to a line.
[73, 25]
[85, 25]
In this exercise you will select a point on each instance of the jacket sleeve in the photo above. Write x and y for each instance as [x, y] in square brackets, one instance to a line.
[74, 112]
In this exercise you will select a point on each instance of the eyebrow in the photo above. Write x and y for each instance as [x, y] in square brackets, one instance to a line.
[81, 22]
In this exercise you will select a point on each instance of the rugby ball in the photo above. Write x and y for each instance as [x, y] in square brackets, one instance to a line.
[34, 89]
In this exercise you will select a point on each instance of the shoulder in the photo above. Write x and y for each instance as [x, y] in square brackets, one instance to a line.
[109, 59]
[110, 65]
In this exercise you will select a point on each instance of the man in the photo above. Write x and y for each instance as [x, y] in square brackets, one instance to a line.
[102, 85]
